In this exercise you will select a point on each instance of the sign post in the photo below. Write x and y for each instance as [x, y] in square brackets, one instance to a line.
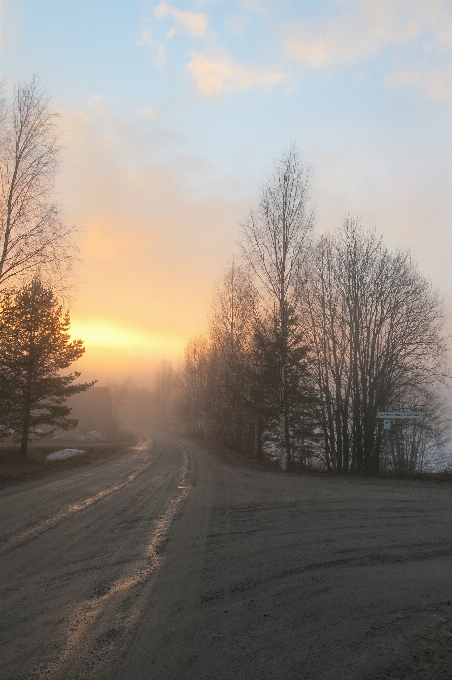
[387, 416]
[386, 427]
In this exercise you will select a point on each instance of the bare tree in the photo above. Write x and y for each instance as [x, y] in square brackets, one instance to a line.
[222, 386]
[233, 311]
[274, 240]
[376, 330]
[33, 236]
[323, 310]
[164, 394]
[119, 392]
[193, 386]
[231, 330]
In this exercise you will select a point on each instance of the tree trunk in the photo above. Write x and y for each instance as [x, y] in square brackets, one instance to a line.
[282, 396]
[288, 446]
[282, 443]
[25, 428]
[26, 411]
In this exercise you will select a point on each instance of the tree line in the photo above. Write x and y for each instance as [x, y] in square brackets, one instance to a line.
[309, 337]
[37, 253]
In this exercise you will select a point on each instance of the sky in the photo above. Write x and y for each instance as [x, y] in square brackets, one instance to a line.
[173, 113]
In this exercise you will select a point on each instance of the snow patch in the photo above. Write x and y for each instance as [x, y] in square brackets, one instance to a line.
[94, 434]
[64, 453]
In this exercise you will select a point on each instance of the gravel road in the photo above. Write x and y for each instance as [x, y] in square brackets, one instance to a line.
[176, 561]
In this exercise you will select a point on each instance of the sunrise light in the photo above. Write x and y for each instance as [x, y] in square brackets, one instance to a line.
[113, 336]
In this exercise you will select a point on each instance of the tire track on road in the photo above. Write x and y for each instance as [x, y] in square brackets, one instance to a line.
[22, 535]
[98, 622]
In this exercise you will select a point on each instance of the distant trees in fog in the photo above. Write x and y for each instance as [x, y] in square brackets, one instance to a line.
[118, 393]
[310, 337]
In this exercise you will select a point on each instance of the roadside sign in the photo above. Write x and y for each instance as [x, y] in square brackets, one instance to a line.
[387, 416]
[399, 415]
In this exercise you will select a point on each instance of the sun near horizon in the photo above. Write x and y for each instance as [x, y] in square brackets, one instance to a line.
[115, 352]
[173, 113]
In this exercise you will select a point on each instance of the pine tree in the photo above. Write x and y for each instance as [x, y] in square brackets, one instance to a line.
[35, 346]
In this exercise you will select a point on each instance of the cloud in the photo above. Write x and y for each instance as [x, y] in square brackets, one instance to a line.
[360, 32]
[423, 30]
[213, 76]
[146, 39]
[254, 6]
[160, 57]
[436, 84]
[157, 48]
[195, 24]
[147, 112]
[96, 103]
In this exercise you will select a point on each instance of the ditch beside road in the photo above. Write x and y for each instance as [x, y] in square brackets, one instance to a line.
[177, 560]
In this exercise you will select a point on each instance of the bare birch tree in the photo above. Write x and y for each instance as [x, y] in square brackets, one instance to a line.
[274, 240]
[33, 236]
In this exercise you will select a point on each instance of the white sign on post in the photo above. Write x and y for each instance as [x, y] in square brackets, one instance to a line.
[400, 415]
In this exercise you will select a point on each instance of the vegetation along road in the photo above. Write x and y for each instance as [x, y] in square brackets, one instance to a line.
[173, 560]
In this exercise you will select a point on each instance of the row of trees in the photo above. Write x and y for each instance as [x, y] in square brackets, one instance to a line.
[309, 337]
[36, 256]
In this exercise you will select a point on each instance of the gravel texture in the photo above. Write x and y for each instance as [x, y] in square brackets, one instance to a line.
[174, 560]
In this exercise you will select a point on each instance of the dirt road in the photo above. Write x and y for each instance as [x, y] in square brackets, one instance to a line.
[171, 562]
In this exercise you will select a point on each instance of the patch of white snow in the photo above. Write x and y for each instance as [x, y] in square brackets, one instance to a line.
[64, 453]
[94, 434]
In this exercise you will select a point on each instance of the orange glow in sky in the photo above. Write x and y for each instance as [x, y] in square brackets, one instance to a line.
[102, 334]
[172, 115]
[114, 351]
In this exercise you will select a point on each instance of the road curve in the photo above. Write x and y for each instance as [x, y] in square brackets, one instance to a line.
[172, 562]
